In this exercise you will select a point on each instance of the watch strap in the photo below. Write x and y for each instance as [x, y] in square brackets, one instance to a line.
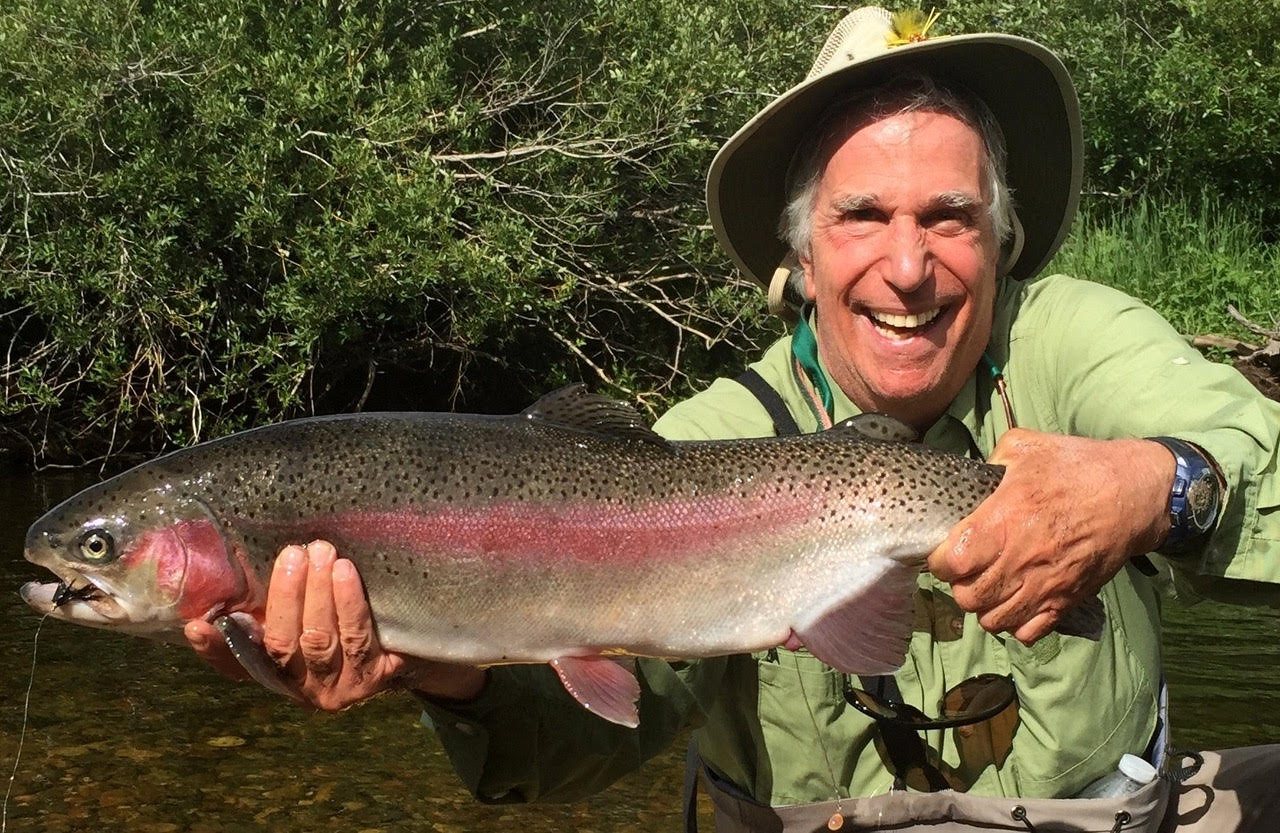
[1193, 498]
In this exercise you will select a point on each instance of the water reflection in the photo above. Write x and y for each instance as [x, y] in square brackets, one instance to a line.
[128, 733]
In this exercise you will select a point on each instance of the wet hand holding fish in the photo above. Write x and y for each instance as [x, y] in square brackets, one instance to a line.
[1024, 561]
[567, 534]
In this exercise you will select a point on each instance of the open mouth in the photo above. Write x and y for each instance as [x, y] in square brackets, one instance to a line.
[902, 327]
[72, 596]
[68, 591]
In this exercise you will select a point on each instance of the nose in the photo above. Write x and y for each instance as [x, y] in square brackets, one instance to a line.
[907, 259]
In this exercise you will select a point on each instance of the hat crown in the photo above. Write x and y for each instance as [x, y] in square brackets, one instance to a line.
[863, 33]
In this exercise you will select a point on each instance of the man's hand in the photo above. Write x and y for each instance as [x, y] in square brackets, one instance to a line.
[1066, 517]
[319, 631]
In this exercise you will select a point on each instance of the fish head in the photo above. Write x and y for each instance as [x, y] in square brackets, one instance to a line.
[143, 560]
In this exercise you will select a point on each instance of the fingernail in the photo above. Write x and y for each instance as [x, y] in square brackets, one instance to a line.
[343, 570]
[195, 636]
[321, 555]
[291, 559]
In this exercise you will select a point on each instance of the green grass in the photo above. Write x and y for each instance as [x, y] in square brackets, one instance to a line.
[1188, 258]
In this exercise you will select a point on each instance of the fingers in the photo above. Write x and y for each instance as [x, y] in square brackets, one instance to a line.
[322, 631]
[1037, 627]
[355, 623]
[318, 640]
[959, 556]
[319, 629]
[285, 598]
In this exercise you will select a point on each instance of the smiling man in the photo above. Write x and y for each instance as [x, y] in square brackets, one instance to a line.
[918, 184]
[900, 254]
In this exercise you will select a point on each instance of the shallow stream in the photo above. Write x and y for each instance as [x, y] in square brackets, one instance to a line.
[126, 734]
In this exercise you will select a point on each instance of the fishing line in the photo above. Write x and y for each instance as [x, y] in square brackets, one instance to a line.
[22, 734]
[837, 819]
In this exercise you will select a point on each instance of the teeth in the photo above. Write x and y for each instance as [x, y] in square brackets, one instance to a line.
[906, 322]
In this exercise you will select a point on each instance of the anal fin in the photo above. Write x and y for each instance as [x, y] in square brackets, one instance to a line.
[604, 686]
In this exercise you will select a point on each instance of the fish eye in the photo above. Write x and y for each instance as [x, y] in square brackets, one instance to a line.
[97, 546]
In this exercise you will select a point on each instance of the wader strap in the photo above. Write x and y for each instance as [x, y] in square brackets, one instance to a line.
[784, 425]
[692, 763]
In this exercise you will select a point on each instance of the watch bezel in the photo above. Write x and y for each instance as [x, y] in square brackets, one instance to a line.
[1195, 498]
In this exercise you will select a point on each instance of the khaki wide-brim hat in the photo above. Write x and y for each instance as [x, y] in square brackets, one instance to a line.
[1025, 86]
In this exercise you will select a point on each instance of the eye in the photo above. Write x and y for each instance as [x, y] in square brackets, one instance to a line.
[97, 546]
[949, 220]
[862, 215]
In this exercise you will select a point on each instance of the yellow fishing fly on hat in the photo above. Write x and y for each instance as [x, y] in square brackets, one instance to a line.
[1025, 86]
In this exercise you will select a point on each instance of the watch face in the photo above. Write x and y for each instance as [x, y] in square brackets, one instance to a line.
[1202, 501]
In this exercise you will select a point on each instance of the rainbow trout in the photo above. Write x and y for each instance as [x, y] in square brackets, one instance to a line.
[568, 534]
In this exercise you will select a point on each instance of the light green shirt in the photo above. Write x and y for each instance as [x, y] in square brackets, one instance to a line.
[1078, 358]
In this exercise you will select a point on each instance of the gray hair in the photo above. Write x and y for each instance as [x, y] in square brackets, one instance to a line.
[901, 95]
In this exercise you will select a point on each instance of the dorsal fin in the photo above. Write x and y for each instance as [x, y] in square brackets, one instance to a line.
[879, 427]
[573, 407]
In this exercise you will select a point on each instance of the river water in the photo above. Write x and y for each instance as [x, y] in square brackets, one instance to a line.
[123, 733]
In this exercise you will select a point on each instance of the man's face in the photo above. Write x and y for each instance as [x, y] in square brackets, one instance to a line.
[903, 263]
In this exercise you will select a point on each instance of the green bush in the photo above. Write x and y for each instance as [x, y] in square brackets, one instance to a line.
[1188, 258]
[224, 213]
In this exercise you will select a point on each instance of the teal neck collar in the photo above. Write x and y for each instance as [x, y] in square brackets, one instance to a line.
[804, 350]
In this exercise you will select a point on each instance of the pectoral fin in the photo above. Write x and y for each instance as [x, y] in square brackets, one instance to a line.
[604, 686]
[867, 632]
[238, 629]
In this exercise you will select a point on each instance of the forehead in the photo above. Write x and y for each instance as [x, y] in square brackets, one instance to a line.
[915, 149]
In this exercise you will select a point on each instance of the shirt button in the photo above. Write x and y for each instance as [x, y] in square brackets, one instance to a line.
[957, 625]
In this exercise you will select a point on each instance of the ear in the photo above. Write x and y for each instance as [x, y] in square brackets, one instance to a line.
[809, 285]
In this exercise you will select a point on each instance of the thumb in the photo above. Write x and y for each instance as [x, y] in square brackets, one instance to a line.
[942, 561]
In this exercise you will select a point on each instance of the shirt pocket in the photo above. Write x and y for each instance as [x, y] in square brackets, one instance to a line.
[1084, 703]
[806, 744]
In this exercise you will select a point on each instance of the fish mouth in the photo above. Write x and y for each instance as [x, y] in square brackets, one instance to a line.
[74, 597]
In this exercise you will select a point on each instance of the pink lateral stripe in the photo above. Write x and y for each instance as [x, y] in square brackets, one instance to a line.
[578, 532]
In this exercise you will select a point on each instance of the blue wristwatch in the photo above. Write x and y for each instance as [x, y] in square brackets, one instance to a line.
[1194, 499]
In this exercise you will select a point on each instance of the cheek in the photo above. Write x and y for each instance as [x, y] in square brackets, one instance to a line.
[160, 555]
[190, 566]
[211, 582]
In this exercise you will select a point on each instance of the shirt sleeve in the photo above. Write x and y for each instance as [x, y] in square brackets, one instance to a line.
[1112, 367]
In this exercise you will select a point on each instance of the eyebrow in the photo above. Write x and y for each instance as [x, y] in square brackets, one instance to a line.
[957, 200]
[853, 203]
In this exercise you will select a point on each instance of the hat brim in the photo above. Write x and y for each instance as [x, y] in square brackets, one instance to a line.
[1025, 86]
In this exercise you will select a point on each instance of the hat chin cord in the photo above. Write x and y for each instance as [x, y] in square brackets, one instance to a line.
[782, 302]
[1011, 251]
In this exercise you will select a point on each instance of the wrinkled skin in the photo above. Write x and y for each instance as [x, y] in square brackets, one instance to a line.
[896, 233]
[319, 630]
